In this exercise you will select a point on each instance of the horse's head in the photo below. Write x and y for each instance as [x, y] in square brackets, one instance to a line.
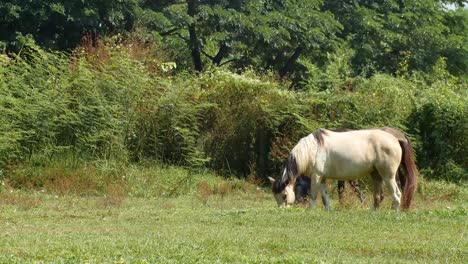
[283, 192]
[283, 187]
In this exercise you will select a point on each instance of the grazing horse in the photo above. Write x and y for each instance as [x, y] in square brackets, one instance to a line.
[349, 156]
[355, 186]
[402, 139]
[302, 187]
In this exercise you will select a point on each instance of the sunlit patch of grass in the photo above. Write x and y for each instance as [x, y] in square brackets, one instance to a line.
[114, 196]
[439, 190]
[59, 179]
[204, 192]
[222, 188]
[24, 201]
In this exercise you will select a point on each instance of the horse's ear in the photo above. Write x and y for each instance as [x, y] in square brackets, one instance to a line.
[271, 179]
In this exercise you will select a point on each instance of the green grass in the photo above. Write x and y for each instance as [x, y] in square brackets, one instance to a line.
[240, 224]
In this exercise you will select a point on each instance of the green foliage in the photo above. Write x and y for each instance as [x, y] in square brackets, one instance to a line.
[336, 73]
[441, 120]
[383, 101]
[385, 34]
[52, 106]
[393, 37]
[379, 101]
[167, 124]
[61, 23]
[247, 113]
[266, 35]
[118, 102]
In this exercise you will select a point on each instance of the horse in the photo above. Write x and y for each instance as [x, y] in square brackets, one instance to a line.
[349, 155]
[302, 187]
[403, 140]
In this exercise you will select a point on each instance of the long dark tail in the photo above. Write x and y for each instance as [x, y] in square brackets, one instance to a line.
[411, 173]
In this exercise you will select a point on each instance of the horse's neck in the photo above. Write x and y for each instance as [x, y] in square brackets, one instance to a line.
[320, 160]
[306, 152]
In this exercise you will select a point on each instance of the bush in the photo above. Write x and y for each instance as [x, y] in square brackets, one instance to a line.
[441, 119]
[246, 113]
[112, 103]
[167, 124]
[84, 107]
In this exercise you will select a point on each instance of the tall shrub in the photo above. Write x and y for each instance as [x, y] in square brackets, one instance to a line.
[167, 124]
[247, 113]
[442, 121]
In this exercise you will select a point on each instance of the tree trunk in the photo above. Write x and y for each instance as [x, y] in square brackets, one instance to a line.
[289, 67]
[194, 44]
[223, 51]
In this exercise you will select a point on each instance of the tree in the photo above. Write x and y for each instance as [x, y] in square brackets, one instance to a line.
[263, 34]
[60, 24]
[456, 49]
[385, 32]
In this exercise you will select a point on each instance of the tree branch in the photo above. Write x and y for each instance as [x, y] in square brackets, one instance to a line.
[228, 61]
[169, 32]
[289, 67]
[222, 52]
[193, 42]
[231, 60]
[206, 54]
[182, 37]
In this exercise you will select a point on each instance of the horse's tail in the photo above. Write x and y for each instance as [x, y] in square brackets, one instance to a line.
[410, 171]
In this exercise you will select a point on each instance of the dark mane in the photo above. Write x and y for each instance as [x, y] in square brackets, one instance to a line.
[342, 129]
[291, 170]
[318, 135]
[278, 186]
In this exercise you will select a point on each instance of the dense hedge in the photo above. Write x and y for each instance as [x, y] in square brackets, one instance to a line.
[114, 105]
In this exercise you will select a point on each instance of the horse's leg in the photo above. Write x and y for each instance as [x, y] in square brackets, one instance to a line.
[401, 178]
[396, 194]
[341, 187]
[377, 184]
[314, 189]
[356, 190]
[325, 199]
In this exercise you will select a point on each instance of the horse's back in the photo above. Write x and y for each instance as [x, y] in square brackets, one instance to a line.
[354, 154]
[395, 132]
[356, 140]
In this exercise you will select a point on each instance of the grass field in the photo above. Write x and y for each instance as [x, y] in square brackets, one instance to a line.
[220, 220]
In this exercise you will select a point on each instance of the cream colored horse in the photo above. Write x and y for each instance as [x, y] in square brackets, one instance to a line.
[348, 156]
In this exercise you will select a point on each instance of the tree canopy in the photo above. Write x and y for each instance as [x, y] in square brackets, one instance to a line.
[60, 24]
[384, 36]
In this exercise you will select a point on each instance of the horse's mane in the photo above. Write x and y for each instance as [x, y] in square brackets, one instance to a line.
[290, 169]
[343, 129]
[318, 135]
[300, 154]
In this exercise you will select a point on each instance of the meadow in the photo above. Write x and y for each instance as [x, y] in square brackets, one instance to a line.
[171, 215]
[107, 156]
[144, 131]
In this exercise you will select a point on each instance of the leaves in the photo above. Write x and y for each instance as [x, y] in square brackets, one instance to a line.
[61, 24]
